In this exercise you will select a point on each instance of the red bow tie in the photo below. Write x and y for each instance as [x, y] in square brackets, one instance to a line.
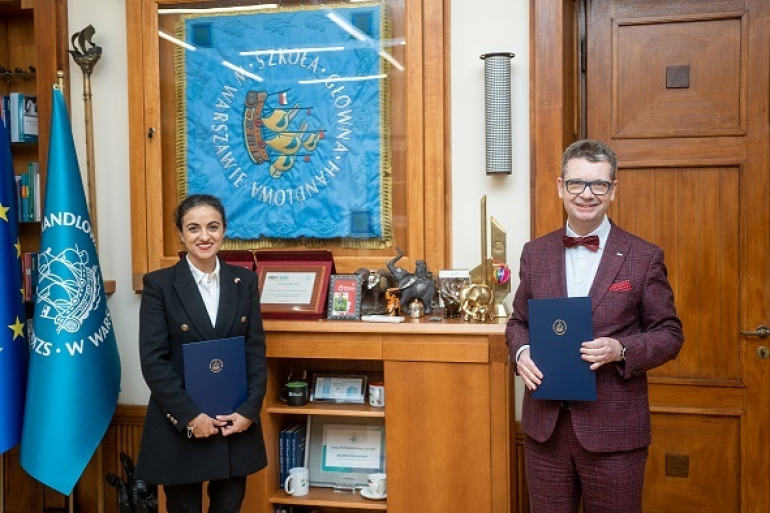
[591, 242]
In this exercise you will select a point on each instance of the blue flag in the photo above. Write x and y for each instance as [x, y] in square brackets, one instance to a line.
[13, 342]
[285, 121]
[74, 370]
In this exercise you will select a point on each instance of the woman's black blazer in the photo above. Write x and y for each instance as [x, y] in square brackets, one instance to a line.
[173, 314]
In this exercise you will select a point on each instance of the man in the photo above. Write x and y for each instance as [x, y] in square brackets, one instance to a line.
[596, 450]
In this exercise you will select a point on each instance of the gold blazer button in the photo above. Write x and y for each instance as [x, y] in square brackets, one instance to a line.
[185, 327]
[244, 319]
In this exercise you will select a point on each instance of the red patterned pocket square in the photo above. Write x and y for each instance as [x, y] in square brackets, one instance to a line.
[620, 286]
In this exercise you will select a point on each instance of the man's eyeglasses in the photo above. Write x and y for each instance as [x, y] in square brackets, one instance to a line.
[598, 187]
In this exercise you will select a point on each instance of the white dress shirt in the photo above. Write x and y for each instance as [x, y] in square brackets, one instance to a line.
[208, 285]
[581, 263]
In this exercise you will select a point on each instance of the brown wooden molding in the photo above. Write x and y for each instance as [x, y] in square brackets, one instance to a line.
[129, 415]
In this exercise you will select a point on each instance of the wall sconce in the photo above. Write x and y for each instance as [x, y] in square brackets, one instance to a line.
[497, 111]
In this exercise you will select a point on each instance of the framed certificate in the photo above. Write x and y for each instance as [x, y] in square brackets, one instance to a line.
[345, 297]
[293, 284]
[339, 389]
[349, 447]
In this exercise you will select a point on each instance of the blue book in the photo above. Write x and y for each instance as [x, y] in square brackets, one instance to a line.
[285, 451]
[215, 374]
[291, 449]
[300, 437]
[557, 328]
[282, 457]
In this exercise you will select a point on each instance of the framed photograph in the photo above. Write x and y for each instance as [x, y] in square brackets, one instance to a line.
[344, 447]
[293, 284]
[345, 297]
[339, 389]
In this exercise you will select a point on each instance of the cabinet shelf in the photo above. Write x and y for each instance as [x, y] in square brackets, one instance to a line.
[328, 498]
[331, 409]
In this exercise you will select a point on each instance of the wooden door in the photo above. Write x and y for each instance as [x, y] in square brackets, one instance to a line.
[680, 91]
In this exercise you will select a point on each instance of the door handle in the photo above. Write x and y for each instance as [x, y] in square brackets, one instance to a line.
[762, 332]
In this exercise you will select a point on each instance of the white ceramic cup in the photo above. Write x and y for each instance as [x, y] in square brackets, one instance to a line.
[377, 394]
[378, 484]
[296, 483]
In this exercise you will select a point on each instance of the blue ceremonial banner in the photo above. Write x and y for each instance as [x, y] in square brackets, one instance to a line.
[13, 340]
[74, 370]
[286, 120]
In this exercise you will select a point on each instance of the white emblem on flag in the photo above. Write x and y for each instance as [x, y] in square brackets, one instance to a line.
[68, 287]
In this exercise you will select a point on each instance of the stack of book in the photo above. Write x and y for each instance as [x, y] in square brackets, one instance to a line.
[28, 194]
[29, 275]
[291, 449]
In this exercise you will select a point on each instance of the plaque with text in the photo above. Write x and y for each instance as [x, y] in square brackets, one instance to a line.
[293, 284]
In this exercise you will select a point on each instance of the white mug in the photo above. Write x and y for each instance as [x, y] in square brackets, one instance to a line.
[378, 484]
[377, 394]
[299, 477]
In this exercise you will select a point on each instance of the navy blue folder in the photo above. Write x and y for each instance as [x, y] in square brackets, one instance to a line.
[215, 374]
[557, 328]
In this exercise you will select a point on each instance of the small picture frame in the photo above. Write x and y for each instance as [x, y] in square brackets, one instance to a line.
[344, 297]
[349, 389]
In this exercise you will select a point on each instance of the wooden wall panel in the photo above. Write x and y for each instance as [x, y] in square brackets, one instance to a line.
[709, 460]
[710, 104]
[552, 105]
[92, 493]
[691, 214]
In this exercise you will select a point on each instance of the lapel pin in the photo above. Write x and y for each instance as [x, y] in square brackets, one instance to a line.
[243, 320]
[185, 327]
[620, 254]
[237, 280]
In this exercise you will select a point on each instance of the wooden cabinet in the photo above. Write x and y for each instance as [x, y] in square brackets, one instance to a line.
[449, 411]
[37, 60]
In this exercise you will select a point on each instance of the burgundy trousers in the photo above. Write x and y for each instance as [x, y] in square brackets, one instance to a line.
[560, 471]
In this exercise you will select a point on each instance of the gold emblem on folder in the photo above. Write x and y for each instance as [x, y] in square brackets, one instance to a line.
[559, 327]
[216, 365]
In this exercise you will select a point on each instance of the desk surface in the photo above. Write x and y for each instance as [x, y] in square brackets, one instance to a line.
[422, 325]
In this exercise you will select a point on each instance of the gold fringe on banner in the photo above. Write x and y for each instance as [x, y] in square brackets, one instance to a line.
[386, 161]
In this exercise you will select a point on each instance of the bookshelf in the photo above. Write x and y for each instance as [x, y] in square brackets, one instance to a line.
[29, 64]
[448, 411]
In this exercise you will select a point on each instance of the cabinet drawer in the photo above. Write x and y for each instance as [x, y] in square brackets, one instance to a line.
[421, 348]
[360, 346]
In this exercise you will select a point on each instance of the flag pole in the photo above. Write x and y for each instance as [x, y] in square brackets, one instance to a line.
[60, 85]
[87, 58]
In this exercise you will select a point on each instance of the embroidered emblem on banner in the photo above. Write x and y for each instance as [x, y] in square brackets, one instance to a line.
[285, 119]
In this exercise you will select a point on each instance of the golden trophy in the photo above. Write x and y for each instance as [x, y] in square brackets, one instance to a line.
[493, 271]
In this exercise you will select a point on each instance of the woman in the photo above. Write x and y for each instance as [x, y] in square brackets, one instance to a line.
[200, 298]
